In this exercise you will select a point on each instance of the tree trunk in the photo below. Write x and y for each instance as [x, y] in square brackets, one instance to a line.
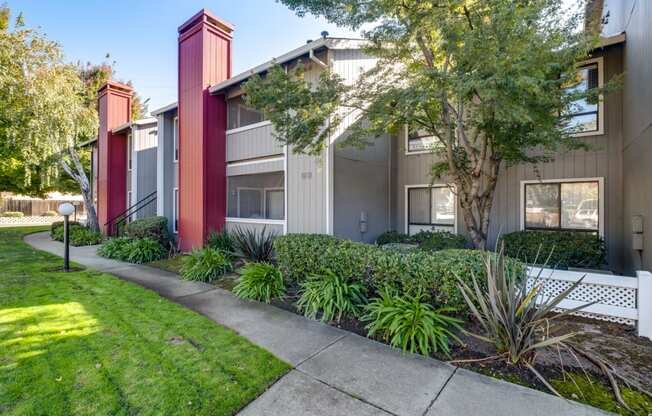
[78, 174]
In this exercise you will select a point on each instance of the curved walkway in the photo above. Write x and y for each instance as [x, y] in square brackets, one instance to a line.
[335, 372]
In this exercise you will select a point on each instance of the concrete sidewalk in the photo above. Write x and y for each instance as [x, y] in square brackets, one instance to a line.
[335, 372]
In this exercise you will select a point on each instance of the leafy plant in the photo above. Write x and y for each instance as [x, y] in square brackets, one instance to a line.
[410, 323]
[144, 250]
[205, 265]
[154, 228]
[260, 281]
[82, 236]
[115, 248]
[254, 245]
[331, 296]
[438, 240]
[392, 237]
[519, 322]
[50, 214]
[564, 248]
[222, 240]
[12, 214]
[58, 225]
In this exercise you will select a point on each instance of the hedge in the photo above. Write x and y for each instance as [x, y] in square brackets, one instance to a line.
[431, 273]
[12, 214]
[79, 235]
[426, 240]
[565, 248]
[155, 228]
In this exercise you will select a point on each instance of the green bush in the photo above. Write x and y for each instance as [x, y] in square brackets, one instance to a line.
[332, 296]
[144, 250]
[205, 265]
[390, 237]
[115, 248]
[254, 245]
[260, 281]
[438, 240]
[564, 248]
[154, 228]
[410, 323]
[58, 225]
[12, 214]
[82, 236]
[50, 214]
[418, 271]
[222, 240]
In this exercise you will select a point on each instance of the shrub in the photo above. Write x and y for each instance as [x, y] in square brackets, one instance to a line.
[410, 323]
[564, 248]
[143, 250]
[205, 265]
[260, 281]
[222, 240]
[115, 248]
[254, 245]
[50, 214]
[299, 255]
[12, 214]
[82, 236]
[439, 240]
[154, 228]
[59, 225]
[390, 237]
[332, 296]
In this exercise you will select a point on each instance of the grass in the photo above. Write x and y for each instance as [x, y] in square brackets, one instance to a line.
[88, 343]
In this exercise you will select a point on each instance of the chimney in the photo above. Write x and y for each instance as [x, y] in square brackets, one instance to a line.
[114, 108]
[204, 60]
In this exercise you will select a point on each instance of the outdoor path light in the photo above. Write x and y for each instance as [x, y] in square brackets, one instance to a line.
[66, 209]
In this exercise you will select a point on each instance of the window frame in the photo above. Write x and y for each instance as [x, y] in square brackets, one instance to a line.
[429, 186]
[601, 203]
[406, 132]
[130, 148]
[175, 213]
[175, 139]
[262, 202]
[274, 189]
[601, 115]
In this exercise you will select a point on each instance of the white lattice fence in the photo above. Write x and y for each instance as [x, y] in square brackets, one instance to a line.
[621, 299]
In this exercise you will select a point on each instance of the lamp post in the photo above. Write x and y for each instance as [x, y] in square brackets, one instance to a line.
[66, 209]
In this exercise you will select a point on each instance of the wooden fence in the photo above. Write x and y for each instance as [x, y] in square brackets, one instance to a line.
[37, 207]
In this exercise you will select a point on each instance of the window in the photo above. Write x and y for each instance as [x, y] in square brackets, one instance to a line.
[239, 115]
[562, 205]
[430, 208]
[130, 151]
[418, 141]
[585, 116]
[175, 139]
[129, 203]
[175, 210]
[258, 196]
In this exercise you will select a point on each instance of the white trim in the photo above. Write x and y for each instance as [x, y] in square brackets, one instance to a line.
[256, 161]
[433, 185]
[285, 185]
[175, 201]
[407, 145]
[130, 151]
[175, 127]
[249, 127]
[255, 221]
[278, 188]
[589, 278]
[601, 114]
[601, 198]
[160, 169]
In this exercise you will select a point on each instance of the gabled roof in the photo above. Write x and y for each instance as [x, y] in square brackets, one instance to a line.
[128, 125]
[328, 43]
[164, 109]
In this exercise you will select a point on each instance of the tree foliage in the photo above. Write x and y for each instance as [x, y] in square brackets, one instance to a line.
[487, 78]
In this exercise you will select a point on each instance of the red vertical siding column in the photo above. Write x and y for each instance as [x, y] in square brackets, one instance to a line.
[204, 60]
[114, 108]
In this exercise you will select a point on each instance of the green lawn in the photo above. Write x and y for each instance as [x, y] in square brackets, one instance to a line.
[86, 343]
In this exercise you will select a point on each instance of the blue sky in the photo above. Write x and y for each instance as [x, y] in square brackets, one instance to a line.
[141, 36]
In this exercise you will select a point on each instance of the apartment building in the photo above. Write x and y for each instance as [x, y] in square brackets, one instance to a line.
[214, 163]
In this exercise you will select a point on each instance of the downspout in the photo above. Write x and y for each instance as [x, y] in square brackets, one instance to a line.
[311, 55]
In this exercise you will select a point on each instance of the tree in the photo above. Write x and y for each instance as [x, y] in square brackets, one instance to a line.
[48, 108]
[486, 78]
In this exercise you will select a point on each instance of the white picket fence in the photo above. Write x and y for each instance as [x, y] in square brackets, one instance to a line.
[622, 299]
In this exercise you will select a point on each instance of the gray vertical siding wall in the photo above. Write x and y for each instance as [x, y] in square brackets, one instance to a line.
[252, 143]
[145, 144]
[634, 18]
[167, 169]
[604, 160]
